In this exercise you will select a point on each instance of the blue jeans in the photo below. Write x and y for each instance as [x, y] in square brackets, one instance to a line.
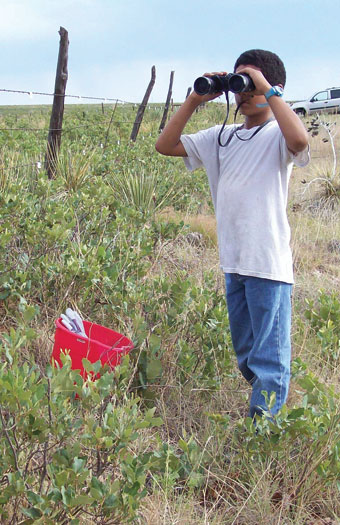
[260, 321]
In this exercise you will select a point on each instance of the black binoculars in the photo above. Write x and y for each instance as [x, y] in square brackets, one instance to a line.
[236, 83]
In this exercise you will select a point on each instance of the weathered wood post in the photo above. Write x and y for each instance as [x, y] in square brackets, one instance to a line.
[56, 121]
[167, 103]
[141, 109]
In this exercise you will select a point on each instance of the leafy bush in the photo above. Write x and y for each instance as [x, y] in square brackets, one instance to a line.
[68, 448]
[324, 318]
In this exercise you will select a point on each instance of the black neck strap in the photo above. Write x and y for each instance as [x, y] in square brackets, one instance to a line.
[234, 131]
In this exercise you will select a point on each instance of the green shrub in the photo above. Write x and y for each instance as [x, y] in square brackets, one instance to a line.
[70, 448]
[324, 318]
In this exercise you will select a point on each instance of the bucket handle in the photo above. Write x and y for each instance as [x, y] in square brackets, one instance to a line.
[105, 352]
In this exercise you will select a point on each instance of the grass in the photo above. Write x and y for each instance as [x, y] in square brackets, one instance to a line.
[238, 489]
[259, 497]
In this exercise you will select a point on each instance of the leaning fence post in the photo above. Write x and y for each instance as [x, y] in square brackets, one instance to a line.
[141, 109]
[167, 103]
[56, 121]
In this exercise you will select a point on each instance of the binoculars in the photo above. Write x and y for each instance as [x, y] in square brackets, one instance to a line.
[236, 83]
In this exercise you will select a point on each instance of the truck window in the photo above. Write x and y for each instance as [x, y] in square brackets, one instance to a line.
[322, 95]
[335, 93]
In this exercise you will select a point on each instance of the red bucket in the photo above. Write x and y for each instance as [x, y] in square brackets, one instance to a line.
[102, 344]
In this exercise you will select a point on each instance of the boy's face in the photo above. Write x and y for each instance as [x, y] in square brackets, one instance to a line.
[248, 100]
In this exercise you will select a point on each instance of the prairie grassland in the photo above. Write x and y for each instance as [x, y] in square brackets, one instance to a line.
[149, 268]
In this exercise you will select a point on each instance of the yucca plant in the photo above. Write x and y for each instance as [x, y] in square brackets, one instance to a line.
[74, 167]
[140, 190]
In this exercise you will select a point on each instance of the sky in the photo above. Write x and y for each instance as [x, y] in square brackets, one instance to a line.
[114, 43]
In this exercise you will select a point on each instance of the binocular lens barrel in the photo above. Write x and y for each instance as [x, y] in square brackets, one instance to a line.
[239, 83]
[203, 85]
[236, 84]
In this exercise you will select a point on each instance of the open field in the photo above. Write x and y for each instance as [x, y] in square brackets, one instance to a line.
[128, 238]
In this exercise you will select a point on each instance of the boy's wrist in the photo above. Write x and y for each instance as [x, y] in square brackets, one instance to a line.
[265, 88]
[194, 99]
[276, 91]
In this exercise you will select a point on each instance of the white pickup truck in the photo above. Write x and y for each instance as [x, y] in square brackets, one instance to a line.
[322, 101]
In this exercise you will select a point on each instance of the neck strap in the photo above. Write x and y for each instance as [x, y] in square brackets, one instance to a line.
[235, 130]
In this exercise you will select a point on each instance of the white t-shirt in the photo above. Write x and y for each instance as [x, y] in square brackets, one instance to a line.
[249, 187]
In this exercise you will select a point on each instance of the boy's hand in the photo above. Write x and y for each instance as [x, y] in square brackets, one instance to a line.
[169, 141]
[262, 85]
[211, 96]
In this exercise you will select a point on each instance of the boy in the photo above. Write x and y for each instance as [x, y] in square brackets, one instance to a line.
[249, 184]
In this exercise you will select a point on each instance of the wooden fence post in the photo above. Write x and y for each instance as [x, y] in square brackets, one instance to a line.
[56, 121]
[141, 109]
[188, 92]
[167, 103]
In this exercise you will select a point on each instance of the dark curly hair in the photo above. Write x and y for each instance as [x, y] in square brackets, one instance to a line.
[270, 64]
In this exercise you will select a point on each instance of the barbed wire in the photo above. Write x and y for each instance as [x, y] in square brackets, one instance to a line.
[31, 93]
[63, 130]
[81, 97]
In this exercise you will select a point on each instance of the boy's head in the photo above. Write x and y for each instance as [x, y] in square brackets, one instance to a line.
[270, 64]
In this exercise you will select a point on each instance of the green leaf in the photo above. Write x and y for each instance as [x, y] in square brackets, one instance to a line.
[296, 413]
[61, 478]
[34, 498]
[96, 494]
[133, 490]
[88, 366]
[154, 369]
[111, 501]
[82, 499]
[29, 313]
[78, 464]
[32, 512]
[183, 445]
[154, 342]
[54, 495]
[157, 421]
[65, 494]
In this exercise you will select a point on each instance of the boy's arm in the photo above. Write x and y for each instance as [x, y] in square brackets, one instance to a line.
[290, 124]
[169, 141]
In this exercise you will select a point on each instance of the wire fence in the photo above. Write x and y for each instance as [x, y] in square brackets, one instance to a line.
[103, 100]
[84, 97]
[79, 97]
[107, 105]
[106, 123]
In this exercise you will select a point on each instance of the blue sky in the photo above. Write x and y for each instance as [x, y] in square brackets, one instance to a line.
[114, 43]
